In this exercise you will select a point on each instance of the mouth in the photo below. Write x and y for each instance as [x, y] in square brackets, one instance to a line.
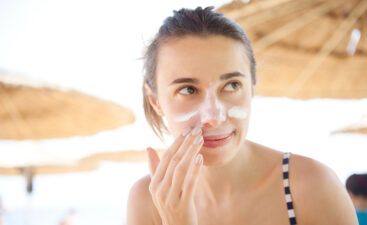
[214, 141]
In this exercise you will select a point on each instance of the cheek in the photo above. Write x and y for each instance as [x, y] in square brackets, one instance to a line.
[241, 126]
[239, 116]
[176, 128]
[179, 115]
[240, 107]
[238, 112]
[174, 107]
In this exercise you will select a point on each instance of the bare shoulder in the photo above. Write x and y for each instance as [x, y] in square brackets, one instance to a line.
[140, 207]
[318, 195]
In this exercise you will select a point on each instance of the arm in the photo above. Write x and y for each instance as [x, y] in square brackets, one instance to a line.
[140, 208]
[319, 197]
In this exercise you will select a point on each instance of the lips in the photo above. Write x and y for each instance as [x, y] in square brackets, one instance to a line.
[214, 141]
[215, 137]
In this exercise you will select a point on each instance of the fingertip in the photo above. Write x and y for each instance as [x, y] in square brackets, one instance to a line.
[199, 159]
[148, 150]
[152, 155]
[151, 152]
[149, 156]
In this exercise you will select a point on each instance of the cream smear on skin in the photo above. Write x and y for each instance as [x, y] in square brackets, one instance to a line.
[236, 112]
[212, 108]
[185, 117]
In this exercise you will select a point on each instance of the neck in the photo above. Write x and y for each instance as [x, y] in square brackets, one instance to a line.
[219, 183]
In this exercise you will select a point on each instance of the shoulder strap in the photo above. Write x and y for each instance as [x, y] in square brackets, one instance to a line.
[288, 196]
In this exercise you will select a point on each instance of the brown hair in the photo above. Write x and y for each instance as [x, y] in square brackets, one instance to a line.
[198, 22]
[357, 184]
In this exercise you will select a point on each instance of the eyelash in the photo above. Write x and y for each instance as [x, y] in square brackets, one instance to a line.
[239, 85]
[195, 90]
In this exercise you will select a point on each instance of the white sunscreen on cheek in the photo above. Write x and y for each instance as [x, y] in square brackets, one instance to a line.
[185, 117]
[237, 112]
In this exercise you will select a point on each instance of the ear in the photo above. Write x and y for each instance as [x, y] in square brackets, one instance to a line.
[152, 100]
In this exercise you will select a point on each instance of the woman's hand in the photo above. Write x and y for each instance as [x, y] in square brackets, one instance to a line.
[173, 179]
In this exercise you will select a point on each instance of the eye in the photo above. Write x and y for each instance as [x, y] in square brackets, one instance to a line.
[187, 90]
[232, 86]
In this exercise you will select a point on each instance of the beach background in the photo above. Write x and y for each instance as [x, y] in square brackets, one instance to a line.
[95, 47]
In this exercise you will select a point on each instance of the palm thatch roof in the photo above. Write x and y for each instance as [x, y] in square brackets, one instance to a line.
[51, 169]
[85, 164]
[121, 156]
[359, 127]
[306, 48]
[28, 111]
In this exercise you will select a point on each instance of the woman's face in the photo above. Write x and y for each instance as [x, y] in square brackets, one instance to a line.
[206, 82]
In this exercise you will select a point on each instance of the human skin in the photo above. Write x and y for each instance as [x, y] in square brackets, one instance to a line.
[359, 202]
[205, 64]
[240, 182]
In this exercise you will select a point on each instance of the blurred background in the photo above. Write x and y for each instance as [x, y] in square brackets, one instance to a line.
[72, 126]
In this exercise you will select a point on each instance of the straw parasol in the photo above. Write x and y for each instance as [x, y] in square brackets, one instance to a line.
[50, 169]
[359, 127]
[32, 110]
[30, 172]
[306, 48]
[35, 110]
[85, 164]
[120, 156]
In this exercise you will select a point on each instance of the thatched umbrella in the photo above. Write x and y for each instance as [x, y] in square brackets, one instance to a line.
[33, 110]
[307, 48]
[120, 156]
[30, 171]
[34, 113]
[85, 164]
[359, 127]
[30, 110]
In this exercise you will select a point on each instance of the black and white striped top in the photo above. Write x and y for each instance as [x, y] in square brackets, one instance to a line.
[288, 196]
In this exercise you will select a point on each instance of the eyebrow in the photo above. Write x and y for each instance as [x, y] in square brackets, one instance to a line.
[185, 80]
[230, 75]
[196, 81]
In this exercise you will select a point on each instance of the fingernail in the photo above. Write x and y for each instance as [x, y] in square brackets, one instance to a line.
[196, 130]
[198, 158]
[186, 131]
[198, 139]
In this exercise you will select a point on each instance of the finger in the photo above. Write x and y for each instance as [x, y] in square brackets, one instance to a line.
[184, 149]
[163, 164]
[153, 160]
[183, 168]
[192, 178]
[176, 167]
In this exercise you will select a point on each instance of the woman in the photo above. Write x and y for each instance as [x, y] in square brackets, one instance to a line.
[199, 76]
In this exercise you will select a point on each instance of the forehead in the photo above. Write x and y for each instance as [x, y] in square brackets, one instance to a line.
[201, 57]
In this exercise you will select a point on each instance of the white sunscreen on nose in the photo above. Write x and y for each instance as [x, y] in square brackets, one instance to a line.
[212, 108]
[185, 117]
[237, 112]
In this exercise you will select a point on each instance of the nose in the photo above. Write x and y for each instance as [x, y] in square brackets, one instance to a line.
[212, 111]
[211, 123]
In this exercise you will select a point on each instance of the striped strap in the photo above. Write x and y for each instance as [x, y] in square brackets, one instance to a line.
[288, 196]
